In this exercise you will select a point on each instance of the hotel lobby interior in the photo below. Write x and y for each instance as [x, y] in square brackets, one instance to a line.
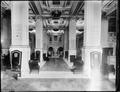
[60, 45]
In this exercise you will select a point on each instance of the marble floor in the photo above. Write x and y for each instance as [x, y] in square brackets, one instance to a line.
[58, 64]
[95, 83]
[8, 83]
[55, 64]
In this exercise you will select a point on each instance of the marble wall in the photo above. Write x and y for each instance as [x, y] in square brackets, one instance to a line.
[6, 31]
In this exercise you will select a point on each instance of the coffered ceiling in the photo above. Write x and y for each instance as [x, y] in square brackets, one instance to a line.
[65, 8]
[52, 9]
[68, 8]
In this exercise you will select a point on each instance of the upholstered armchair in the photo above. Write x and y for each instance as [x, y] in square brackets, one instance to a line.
[45, 58]
[34, 63]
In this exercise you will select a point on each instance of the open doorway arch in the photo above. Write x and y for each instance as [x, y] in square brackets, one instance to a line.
[60, 51]
[50, 52]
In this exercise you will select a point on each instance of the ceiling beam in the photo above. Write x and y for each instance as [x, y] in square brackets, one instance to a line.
[65, 3]
[112, 8]
[6, 4]
[73, 7]
[77, 8]
[62, 3]
[34, 6]
[38, 6]
[80, 8]
[63, 16]
[47, 3]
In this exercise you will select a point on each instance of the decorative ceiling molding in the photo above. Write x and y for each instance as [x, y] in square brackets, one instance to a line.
[34, 7]
[55, 23]
[38, 6]
[80, 10]
[52, 32]
[79, 32]
[6, 4]
[80, 24]
[73, 7]
[66, 7]
[69, 8]
[109, 6]
[78, 7]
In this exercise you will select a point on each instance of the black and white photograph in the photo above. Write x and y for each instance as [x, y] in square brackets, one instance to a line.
[60, 45]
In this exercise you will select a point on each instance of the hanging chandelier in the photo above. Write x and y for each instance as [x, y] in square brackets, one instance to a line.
[56, 14]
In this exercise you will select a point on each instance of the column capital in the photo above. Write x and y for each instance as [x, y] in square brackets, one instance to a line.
[73, 18]
[90, 49]
[38, 17]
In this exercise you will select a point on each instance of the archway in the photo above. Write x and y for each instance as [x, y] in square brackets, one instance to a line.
[50, 52]
[60, 51]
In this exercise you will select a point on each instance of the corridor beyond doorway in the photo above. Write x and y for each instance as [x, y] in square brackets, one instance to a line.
[55, 64]
[59, 65]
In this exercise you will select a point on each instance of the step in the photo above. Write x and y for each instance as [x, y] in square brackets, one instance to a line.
[54, 74]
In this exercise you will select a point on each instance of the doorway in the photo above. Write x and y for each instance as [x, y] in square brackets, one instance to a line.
[50, 52]
[60, 52]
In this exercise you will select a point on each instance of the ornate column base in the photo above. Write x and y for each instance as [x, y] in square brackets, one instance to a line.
[92, 58]
[71, 52]
[24, 59]
[42, 62]
[70, 64]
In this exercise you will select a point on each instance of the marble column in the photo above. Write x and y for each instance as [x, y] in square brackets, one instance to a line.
[66, 40]
[92, 36]
[20, 33]
[45, 41]
[39, 38]
[72, 38]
